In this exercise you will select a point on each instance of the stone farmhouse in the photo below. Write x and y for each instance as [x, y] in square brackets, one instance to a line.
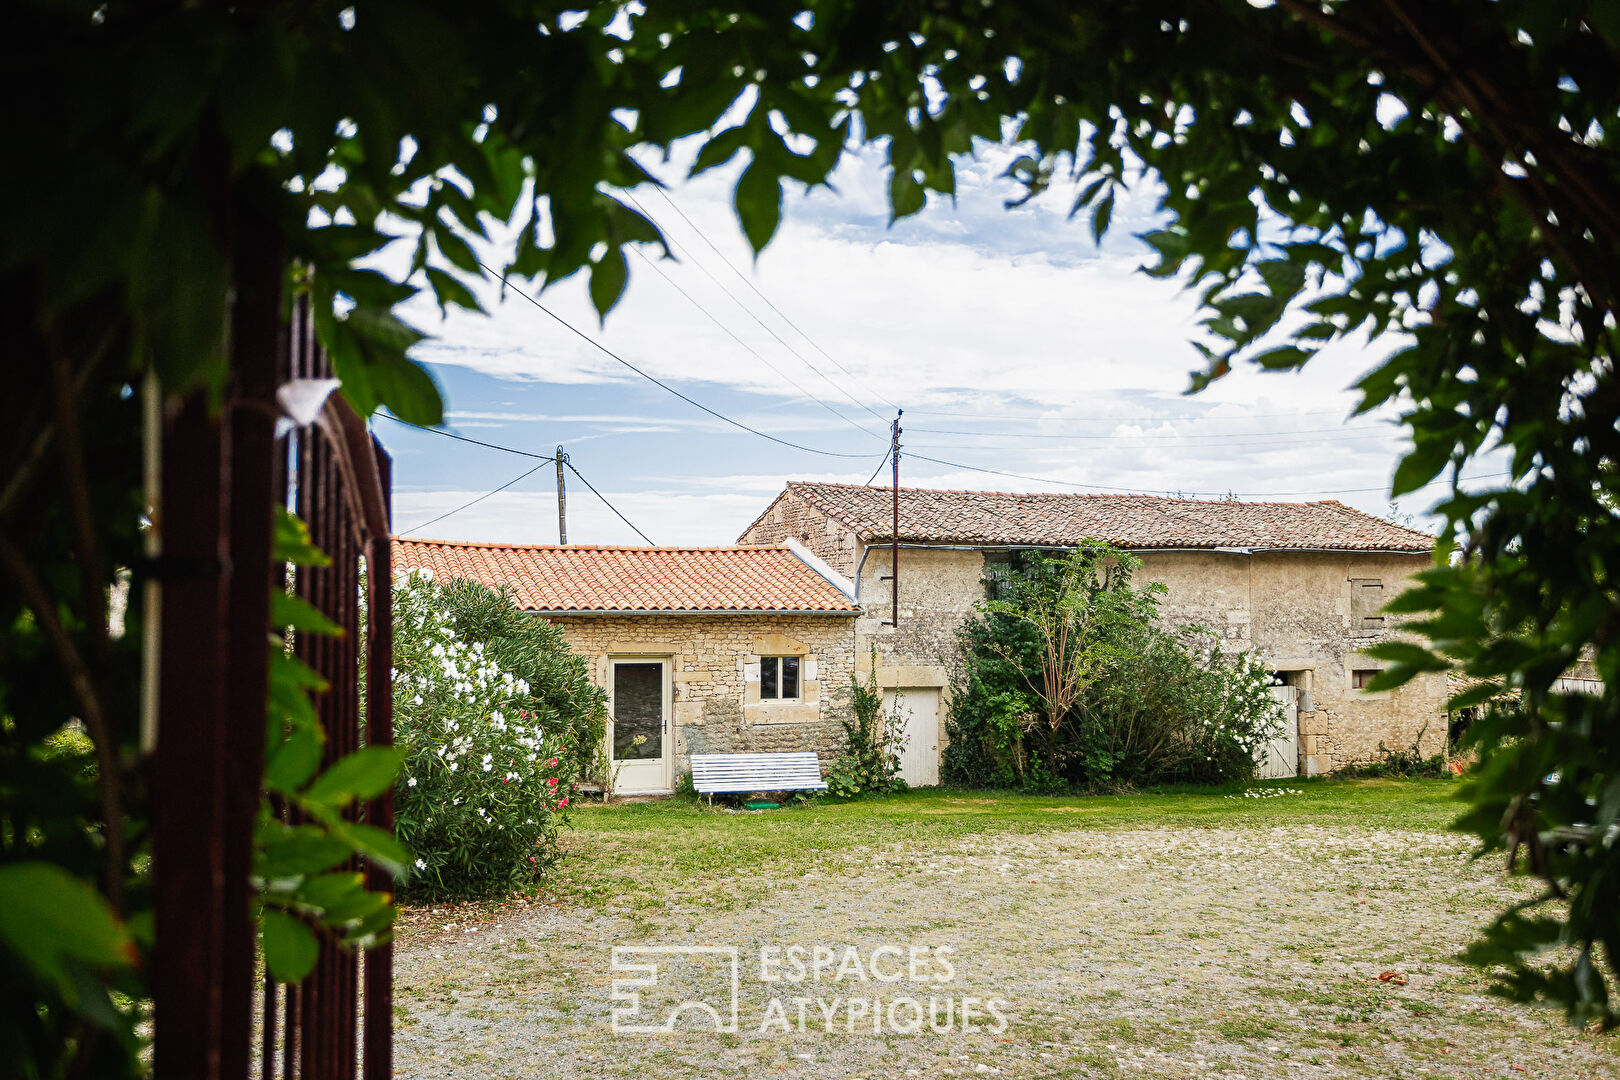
[1302, 584]
[701, 650]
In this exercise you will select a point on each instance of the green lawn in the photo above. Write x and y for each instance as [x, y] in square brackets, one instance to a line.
[639, 849]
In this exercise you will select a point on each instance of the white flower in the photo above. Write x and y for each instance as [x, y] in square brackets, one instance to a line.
[411, 782]
[421, 864]
[453, 765]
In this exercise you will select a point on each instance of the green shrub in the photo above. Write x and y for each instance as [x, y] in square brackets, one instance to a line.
[1136, 705]
[499, 721]
[870, 763]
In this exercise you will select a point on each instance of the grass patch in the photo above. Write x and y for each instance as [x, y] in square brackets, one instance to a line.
[656, 855]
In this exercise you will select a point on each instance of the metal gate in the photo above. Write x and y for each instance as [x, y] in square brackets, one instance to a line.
[221, 473]
[1279, 757]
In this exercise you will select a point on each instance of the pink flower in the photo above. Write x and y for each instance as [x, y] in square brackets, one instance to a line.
[562, 802]
[553, 763]
[531, 858]
[552, 782]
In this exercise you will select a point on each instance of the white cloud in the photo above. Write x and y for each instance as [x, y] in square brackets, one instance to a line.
[971, 316]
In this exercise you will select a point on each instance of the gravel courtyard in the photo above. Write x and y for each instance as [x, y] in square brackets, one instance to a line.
[1308, 933]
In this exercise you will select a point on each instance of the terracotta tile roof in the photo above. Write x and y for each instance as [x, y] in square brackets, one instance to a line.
[1130, 521]
[586, 578]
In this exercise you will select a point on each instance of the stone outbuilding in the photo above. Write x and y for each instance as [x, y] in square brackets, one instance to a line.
[700, 650]
[1302, 584]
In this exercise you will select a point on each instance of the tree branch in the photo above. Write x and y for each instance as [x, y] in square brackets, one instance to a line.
[84, 687]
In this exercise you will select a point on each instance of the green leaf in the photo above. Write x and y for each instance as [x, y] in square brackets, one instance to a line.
[1283, 277]
[454, 248]
[1393, 678]
[294, 851]
[51, 919]
[408, 390]
[1100, 217]
[380, 326]
[609, 275]
[758, 200]
[340, 898]
[906, 196]
[720, 149]
[294, 761]
[376, 844]
[1405, 652]
[1422, 465]
[1088, 193]
[364, 774]
[287, 610]
[448, 289]
[1474, 695]
[1284, 358]
[290, 542]
[290, 947]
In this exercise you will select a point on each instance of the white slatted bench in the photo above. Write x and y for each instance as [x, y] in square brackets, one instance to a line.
[715, 774]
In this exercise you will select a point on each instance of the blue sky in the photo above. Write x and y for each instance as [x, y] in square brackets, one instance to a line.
[1010, 340]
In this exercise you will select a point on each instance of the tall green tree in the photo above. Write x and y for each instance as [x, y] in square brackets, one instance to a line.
[1440, 172]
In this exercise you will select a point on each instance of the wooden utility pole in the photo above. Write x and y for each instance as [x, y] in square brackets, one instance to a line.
[894, 534]
[562, 499]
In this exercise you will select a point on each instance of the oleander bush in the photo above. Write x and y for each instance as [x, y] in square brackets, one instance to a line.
[500, 722]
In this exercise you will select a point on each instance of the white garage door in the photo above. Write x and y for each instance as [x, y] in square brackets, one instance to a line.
[917, 711]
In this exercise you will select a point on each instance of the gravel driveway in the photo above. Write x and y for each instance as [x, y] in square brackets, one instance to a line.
[1249, 951]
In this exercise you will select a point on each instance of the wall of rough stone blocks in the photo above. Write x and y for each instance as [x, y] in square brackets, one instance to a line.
[938, 588]
[792, 517]
[715, 674]
[1297, 611]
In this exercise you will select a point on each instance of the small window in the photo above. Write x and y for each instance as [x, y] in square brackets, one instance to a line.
[1372, 624]
[778, 678]
[1361, 677]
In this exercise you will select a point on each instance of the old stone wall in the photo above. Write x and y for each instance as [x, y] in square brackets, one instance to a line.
[715, 661]
[1310, 614]
[1306, 614]
[790, 517]
[938, 588]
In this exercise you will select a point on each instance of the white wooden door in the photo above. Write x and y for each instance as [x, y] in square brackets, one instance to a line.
[916, 711]
[1280, 757]
[638, 730]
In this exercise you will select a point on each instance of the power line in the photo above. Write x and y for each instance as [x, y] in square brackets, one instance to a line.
[714, 319]
[879, 469]
[966, 415]
[1151, 491]
[1177, 435]
[485, 495]
[566, 325]
[780, 314]
[605, 502]
[462, 438]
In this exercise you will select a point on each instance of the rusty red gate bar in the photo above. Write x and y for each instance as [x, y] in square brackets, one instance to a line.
[222, 474]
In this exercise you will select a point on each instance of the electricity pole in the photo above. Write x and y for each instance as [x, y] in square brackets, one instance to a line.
[894, 535]
[562, 499]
